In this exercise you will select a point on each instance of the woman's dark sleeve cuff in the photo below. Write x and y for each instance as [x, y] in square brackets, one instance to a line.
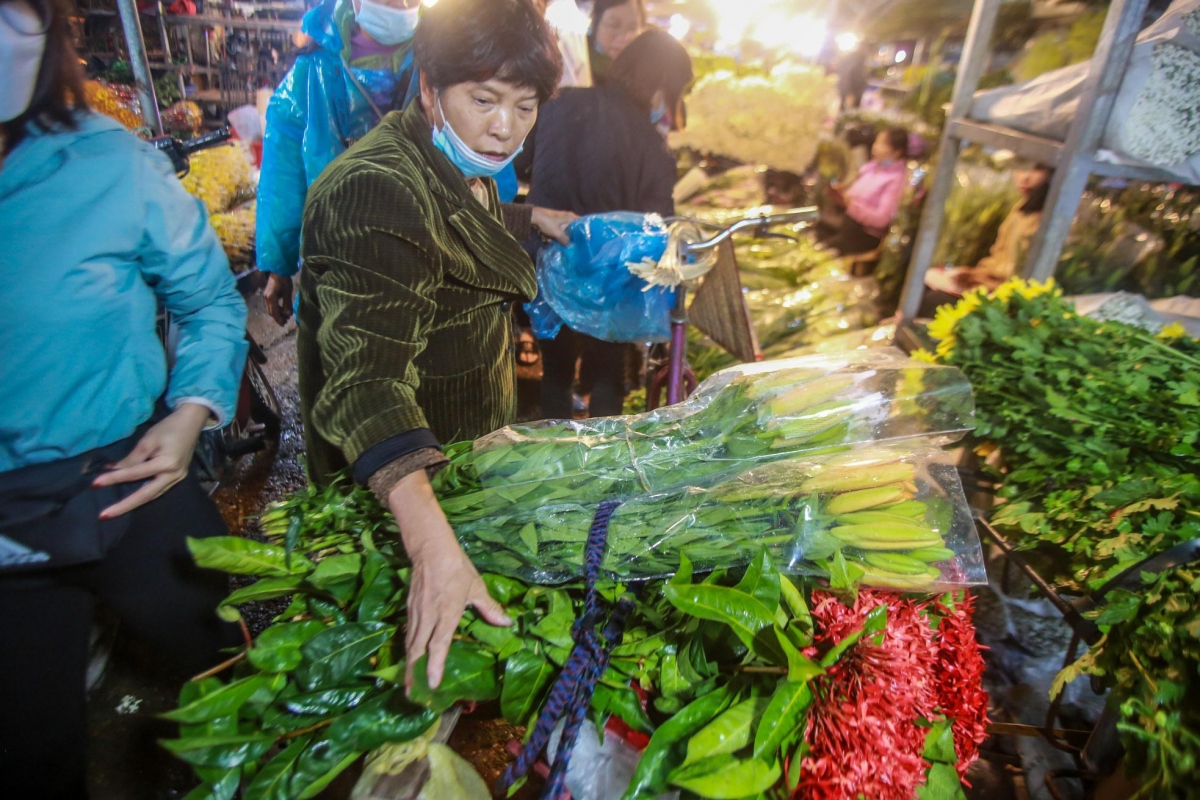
[378, 456]
[517, 219]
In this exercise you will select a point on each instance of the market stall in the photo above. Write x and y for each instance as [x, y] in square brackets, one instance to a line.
[770, 589]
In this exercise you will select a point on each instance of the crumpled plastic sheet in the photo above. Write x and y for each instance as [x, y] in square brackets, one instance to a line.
[587, 286]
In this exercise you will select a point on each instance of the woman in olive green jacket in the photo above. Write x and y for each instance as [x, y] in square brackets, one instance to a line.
[410, 271]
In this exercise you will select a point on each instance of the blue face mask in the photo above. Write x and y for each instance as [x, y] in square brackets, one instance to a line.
[658, 113]
[386, 25]
[468, 162]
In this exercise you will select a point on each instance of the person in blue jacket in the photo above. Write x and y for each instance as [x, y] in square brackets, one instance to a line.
[358, 67]
[96, 434]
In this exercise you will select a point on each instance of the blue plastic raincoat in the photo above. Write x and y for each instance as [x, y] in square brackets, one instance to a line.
[319, 110]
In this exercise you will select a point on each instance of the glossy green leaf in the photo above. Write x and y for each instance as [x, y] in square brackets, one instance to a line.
[527, 675]
[225, 788]
[727, 733]
[797, 608]
[336, 569]
[942, 783]
[271, 782]
[727, 778]
[340, 652]
[264, 589]
[387, 718]
[470, 674]
[221, 702]
[318, 766]
[668, 746]
[801, 668]
[277, 649]
[624, 703]
[493, 637]
[744, 614]
[240, 556]
[504, 590]
[783, 717]
[761, 581]
[224, 752]
[327, 702]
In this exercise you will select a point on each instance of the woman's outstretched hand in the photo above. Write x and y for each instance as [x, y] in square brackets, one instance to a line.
[444, 581]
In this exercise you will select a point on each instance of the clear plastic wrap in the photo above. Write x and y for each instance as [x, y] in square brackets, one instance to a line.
[752, 412]
[889, 515]
[791, 318]
[522, 498]
[588, 286]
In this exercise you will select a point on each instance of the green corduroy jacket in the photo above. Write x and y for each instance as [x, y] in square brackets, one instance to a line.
[406, 292]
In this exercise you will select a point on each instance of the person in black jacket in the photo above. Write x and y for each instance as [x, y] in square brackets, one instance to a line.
[597, 150]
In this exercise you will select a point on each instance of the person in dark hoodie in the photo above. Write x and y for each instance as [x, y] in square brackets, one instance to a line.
[597, 150]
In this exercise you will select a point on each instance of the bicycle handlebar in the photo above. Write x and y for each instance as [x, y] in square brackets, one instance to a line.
[760, 223]
[179, 151]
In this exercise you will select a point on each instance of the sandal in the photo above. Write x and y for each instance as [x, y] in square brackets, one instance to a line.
[527, 350]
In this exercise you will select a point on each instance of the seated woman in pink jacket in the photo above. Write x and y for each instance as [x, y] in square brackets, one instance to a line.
[871, 202]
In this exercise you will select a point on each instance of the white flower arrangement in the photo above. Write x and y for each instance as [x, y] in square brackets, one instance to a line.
[774, 121]
[1164, 125]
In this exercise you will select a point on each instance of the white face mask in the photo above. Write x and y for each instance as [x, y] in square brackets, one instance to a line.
[22, 41]
[386, 25]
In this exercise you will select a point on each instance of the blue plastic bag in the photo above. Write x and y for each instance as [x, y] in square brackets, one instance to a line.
[587, 286]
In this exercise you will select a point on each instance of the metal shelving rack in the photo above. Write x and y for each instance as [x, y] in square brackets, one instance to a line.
[1074, 159]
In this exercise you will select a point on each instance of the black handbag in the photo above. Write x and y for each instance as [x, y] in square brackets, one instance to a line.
[50, 513]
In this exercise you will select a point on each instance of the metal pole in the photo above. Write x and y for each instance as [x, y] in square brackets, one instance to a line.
[166, 46]
[1109, 64]
[140, 64]
[975, 57]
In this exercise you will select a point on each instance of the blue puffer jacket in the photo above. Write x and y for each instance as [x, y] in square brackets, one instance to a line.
[96, 231]
[319, 110]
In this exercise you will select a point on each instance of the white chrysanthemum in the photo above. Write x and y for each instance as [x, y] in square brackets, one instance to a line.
[1164, 125]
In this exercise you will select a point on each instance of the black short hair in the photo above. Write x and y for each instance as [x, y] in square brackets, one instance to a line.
[600, 7]
[897, 138]
[653, 61]
[459, 41]
[1036, 199]
[58, 91]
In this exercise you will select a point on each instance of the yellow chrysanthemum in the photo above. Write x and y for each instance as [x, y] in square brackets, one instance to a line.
[1173, 331]
[923, 355]
[1032, 289]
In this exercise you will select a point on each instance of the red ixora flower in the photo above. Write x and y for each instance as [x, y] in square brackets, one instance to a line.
[959, 678]
[862, 731]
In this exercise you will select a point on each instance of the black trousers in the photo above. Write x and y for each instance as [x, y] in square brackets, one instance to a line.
[849, 238]
[150, 581]
[602, 362]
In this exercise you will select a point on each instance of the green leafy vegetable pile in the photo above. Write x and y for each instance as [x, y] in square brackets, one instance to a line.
[1098, 424]
[742, 668]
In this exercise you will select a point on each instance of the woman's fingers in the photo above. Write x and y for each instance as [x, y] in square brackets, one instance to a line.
[491, 611]
[439, 647]
[145, 494]
[141, 453]
[135, 472]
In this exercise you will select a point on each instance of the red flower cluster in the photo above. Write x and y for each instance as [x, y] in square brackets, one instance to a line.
[863, 733]
[959, 678]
